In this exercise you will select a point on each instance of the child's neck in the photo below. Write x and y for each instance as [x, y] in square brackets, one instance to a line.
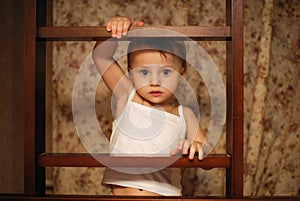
[167, 106]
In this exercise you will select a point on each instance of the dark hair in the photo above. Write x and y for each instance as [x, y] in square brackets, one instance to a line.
[163, 45]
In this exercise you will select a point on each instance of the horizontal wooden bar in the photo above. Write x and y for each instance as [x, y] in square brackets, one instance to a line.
[100, 33]
[102, 160]
[140, 198]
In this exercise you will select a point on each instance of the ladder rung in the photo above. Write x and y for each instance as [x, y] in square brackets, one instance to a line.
[76, 197]
[100, 33]
[88, 160]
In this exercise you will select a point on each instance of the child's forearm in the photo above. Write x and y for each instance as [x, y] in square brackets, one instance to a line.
[105, 49]
[103, 54]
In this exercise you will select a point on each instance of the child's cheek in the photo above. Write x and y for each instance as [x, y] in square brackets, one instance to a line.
[171, 83]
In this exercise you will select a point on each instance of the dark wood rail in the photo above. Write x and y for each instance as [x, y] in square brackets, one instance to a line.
[99, 33]
[141, 198]
[102, 160]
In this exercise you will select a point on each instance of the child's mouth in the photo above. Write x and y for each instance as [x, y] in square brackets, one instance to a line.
[155, 93]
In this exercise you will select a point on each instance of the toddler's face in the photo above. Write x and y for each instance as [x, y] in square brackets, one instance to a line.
[155, 75]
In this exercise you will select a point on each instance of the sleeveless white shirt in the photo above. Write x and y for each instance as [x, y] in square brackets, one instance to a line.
[146, 131]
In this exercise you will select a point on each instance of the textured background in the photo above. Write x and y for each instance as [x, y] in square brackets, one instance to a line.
[271, 84]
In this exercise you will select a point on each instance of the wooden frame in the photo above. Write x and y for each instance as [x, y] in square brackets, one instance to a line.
[36, 33]
[95, 198]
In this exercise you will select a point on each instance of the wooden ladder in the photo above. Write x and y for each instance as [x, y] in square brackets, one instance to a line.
[36, 33]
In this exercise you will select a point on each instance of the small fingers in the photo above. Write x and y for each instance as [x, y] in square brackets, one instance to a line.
[174, 152]
[192, 151]
[126, 26]
[196, 148]
[109, 25]
[180, 144]
[186, 146]
[114, 25]
[138, 23]
[200, 151]
[120, 29]
[183, 147]
[118, 26]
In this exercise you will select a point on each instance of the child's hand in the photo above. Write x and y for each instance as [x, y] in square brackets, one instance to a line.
[189, 147]
[119, 26]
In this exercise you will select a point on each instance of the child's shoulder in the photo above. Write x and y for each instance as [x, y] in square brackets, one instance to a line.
[187, 109]
[187, 112]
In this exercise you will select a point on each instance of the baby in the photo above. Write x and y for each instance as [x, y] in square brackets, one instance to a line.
[147, 122]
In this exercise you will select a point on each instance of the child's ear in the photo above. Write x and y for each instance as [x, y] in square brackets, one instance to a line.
[129, 73]
[183, 71]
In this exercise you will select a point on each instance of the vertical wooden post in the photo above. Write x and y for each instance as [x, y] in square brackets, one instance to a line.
[48, 91]
[40, 97]
[29, 96]
[235, 97]
[229, 106]
[34, 98]
[238, 96]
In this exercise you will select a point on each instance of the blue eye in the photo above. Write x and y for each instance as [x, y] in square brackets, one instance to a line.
[166, 71]
[144, 72]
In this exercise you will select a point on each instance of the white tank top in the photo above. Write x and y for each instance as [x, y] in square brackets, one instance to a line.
[146, 131]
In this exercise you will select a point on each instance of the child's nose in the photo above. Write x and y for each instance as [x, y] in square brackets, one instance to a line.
[155, 80]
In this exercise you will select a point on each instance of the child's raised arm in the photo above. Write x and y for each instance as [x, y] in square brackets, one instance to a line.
[103, 53]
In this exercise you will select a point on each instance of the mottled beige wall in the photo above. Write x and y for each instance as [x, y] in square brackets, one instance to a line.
[273, 168]
[272, 119]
